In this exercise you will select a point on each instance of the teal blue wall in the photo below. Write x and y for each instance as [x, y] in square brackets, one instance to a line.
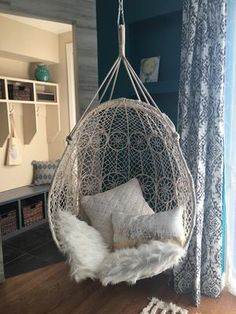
[153, 29]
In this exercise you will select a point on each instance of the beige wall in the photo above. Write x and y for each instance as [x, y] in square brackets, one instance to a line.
[14, 68]
[15, 176]
[59, 75]
[27, 43]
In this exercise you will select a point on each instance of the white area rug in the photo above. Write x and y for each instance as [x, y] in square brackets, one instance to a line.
[158, 306]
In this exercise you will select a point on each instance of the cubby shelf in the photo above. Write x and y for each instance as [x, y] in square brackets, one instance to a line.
[38, 94]
[15, 199]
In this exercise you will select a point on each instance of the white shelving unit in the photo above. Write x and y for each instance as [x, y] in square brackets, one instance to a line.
[30, 94]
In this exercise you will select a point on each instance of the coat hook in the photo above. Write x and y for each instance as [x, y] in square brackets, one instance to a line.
[37, 111]
[11, 109]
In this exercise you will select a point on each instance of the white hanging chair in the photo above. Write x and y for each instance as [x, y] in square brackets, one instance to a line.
[114, 142]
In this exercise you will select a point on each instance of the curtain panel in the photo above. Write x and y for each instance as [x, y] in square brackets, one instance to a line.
[230, 153]
[201, 122]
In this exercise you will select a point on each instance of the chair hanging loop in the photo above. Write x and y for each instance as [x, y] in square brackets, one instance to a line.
[121, 28]
[122, 41]
[121, 15]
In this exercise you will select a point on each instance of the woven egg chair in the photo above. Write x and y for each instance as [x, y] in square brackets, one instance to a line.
[112, 143]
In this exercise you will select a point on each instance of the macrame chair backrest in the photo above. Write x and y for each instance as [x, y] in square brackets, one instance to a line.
[119, 140]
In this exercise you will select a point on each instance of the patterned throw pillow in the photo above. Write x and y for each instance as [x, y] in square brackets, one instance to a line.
[132, 230]
[43, 171]
[127, 198]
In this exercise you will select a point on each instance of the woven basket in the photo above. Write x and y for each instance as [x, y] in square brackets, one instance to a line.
[19, 92]
[8, 222]
[32, 213]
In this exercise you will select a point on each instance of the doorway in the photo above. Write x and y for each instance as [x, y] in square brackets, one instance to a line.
[25, 43]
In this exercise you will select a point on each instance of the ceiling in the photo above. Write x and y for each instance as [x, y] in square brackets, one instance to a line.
[49, 26]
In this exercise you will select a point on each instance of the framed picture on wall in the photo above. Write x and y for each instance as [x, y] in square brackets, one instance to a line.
[149, 69]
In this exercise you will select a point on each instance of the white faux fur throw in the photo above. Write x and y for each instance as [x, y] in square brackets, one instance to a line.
[145, 261]
[89, 257]
[83, 245]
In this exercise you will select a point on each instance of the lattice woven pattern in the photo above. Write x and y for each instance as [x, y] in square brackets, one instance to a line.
[119, 140]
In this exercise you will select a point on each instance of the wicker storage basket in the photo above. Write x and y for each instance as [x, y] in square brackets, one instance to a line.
[1, 91]
[32, 213]
[19, 92]
[8, 221]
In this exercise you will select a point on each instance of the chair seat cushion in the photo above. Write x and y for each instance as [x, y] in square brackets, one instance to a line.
[89, 257]
[127, 198]
[132, 264]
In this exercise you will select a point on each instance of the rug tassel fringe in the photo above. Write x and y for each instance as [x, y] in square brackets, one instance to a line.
[156, 304]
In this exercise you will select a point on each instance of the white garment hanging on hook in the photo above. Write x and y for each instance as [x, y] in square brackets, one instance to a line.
[14, 147]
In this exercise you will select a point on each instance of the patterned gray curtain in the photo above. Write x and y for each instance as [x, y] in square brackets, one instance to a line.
[201, 107]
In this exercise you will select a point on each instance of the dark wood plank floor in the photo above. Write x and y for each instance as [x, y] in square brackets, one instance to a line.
[50, 290]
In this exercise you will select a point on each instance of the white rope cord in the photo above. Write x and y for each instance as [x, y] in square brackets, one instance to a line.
[114, 71]
[115, 80]
[111, 72]
[143, 89]
[108, 78]
[129, 69]
[141, 84]
[114, 74]
[131, 79]
[137, 84]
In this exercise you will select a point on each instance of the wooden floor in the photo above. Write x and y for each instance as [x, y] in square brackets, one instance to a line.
[50, 290]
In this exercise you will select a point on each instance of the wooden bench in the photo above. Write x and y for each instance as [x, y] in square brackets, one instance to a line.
[17, 200]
